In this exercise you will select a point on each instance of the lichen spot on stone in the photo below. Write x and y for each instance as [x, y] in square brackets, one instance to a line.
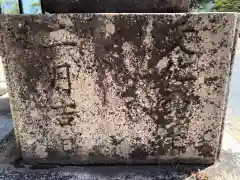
[21, 25]
[116, 141]
[41, 151]
[34, 114]
[67, 145]
[110, 28]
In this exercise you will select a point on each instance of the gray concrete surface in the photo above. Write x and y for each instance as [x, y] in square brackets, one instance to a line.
[96, 173]
[6, 125]
[3, 86]
[4, 103]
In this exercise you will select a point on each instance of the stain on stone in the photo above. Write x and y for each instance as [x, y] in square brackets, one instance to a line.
[17, 163]
[187, 77]
[139, 152]
[116, 141]
[206, 150]
[184, 64]
[96, 154]
[210, 80]
[130, 92]
[138, 138]
[52, 153]
[162, 150]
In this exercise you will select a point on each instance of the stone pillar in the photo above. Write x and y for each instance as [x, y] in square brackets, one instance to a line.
[119, 6]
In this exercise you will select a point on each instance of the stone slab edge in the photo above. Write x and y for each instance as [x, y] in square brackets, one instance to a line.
[227, 90]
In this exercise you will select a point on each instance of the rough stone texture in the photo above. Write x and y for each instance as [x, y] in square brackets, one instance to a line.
[11, 168]
[118, 88]
[120, 6]
[225, 169]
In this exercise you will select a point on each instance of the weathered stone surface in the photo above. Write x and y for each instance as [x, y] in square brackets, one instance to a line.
[119, 88]
[11, 168]
[120, 6]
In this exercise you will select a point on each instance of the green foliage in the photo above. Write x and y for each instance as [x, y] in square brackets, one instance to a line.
[12, 6]
[227, 5]
[197, 3]
[35, 7]
[0, 7]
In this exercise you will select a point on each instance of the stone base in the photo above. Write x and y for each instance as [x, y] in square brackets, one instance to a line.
[162, 161]
[228, 169]
[12, 168]
[119, 88]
